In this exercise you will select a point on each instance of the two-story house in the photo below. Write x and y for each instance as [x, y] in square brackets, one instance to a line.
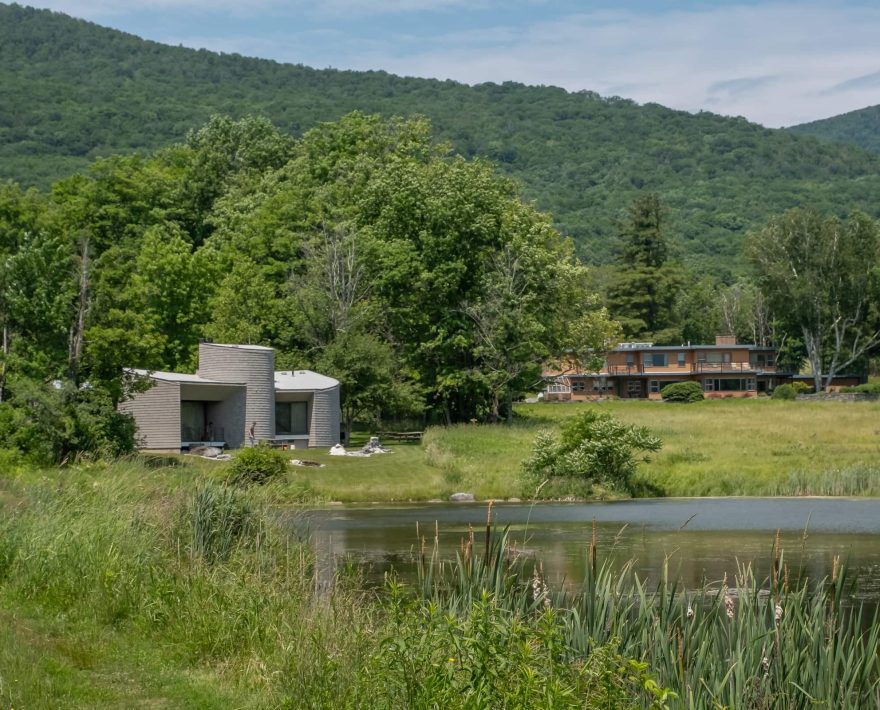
[641, 370]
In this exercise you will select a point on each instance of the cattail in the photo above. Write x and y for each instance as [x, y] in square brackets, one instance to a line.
[539, 588]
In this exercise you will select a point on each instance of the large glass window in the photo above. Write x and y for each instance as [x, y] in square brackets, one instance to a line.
[192, 421]
[729, 384]
[291, 418]
[655, 360]
[681, 359]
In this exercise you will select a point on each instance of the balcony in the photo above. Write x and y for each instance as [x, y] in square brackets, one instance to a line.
[730, 367]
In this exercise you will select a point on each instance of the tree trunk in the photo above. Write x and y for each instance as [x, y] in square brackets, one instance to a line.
[5, 358]
[76, 330]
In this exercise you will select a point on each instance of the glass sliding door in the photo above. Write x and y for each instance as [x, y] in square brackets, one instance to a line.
[192, 421]
[291, 418]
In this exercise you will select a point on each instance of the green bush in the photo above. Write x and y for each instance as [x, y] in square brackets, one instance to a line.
[58, 423]
[682, 392]
[592, 447]
[786, 391]
[258, 464]
[486, 656]
[870, 388]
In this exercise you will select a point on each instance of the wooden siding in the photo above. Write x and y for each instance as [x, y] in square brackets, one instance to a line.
[157, 414]
[326, 418]
[228, 415]
[255, 367]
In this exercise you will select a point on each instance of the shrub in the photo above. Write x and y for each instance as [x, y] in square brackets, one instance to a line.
[258, 464]
[789, 391]
[486, 656]
[59, 422]
[870, 388]
[593, 447]
[682, 392]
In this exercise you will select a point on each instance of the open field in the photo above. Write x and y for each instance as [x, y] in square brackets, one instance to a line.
[717, 447]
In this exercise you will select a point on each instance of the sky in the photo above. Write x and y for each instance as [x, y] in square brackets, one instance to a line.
[776, 63]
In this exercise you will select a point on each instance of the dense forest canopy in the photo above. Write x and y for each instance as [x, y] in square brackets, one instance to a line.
[71, 91]
[860, 128]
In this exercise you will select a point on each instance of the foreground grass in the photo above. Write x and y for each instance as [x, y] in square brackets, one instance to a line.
[718, 447]
[124, 586]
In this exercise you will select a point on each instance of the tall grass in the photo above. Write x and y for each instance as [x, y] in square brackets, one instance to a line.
[747, 642]
[127, 586]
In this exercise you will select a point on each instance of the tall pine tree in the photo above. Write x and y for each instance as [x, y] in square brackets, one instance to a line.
[645, 283]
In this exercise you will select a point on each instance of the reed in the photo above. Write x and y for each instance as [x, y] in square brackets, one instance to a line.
[748, 642]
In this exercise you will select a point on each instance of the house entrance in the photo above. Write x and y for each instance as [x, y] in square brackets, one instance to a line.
[193, 421]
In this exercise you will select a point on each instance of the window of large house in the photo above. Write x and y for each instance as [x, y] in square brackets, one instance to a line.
[761, 360]
[601, 385]
[578, 386]
[681, 359]
[654, 385]
[655, 359]
[634, 387]
[630, 360]
[291, 418]
[729, 384]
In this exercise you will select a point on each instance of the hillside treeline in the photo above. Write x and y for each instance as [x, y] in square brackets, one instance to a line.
[71, 91]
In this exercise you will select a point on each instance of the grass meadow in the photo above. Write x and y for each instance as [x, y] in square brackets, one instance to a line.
[711, 448]
[147, 584]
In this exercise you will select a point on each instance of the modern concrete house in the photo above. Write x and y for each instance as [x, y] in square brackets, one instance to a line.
[235, 399]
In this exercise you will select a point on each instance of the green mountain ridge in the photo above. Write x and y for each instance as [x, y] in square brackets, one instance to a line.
[860, 128]
[72, 91]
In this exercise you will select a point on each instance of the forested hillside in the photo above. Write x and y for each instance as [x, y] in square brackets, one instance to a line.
[860, 128]
[71, 91]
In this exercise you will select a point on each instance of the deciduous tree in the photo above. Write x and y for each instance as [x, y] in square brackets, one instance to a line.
[820, 276]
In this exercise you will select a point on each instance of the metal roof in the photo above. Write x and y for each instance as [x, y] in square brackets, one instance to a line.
[180, 377]
[303, 381]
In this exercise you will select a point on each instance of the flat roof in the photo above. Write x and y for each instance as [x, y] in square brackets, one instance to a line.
[303, 381]
[238, 346]
[180, 377]
[645, 346]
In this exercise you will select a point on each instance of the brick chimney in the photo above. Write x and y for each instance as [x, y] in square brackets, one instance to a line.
[725, 340]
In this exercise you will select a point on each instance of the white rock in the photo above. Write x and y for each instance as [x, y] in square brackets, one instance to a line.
[462, 497]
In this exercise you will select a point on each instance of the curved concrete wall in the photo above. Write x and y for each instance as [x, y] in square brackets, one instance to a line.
[253, 366]
[326, 418]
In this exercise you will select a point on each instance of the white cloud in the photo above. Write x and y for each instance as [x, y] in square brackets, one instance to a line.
[97, 9]
[770, 62]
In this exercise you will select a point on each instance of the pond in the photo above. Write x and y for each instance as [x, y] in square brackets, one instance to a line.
[701, 538]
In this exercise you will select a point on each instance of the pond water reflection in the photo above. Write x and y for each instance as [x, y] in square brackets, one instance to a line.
[702, 538]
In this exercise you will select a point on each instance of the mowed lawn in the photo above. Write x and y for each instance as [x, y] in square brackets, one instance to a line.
[717, 447]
